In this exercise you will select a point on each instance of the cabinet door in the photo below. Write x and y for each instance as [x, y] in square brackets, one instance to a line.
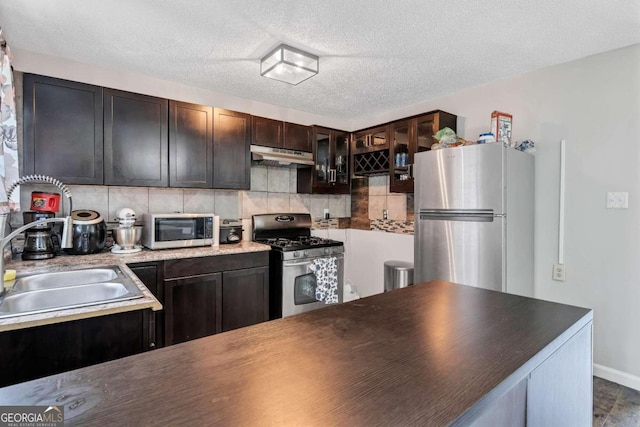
[297, 137]
[63, 130]
[135, 139]
[266, 132]
[560, 389]
[370, 152]
[245, 297]
[322, 155]
[149, 274]
[425, 131]
[191, 307]
[339, 175]
[190, 145]
[36, 352]
[507, 410]
[400, 156]
[231, 150]
[371, 140]
[330, 174]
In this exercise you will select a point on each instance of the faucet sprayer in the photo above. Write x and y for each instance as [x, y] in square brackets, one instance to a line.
[67, 229]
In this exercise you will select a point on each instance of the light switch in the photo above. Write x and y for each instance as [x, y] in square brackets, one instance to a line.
[618, 200]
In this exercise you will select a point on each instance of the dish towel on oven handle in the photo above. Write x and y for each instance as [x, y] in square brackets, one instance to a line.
[326, 272]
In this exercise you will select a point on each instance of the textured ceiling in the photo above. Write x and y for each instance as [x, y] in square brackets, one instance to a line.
[375, 56]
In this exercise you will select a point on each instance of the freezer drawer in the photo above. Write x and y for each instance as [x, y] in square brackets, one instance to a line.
[461, 251]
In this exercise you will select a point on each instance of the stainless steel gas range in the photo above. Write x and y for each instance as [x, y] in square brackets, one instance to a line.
[292, 282]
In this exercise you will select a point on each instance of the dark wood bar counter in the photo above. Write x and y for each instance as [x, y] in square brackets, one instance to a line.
[430, 354]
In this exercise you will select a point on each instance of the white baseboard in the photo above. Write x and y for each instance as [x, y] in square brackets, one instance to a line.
[616, 376]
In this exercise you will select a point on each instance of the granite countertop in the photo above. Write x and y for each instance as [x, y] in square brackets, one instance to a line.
[429, 354]
[76, 262]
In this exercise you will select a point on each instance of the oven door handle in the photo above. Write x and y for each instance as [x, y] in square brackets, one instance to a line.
[295, 263]
[307, 262]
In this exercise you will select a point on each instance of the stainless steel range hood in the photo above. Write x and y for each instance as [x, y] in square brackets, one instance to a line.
[269, 156]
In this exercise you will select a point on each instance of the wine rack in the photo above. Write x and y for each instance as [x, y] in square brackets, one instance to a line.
[371, 163]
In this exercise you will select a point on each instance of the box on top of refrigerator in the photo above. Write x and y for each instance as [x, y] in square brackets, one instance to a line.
[501, 127]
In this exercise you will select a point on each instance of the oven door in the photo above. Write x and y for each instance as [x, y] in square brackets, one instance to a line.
[299, 285]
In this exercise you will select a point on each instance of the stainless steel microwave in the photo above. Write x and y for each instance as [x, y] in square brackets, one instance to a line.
[180, 230]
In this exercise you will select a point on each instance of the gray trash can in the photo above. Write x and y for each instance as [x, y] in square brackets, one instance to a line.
[397, 274]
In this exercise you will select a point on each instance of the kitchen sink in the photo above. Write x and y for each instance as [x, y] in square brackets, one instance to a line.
[45, 292]
[64, 278]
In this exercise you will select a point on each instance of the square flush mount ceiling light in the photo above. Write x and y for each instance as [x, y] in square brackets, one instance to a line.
[289, 65]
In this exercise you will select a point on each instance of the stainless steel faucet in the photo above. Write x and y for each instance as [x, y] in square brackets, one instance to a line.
[67, 234]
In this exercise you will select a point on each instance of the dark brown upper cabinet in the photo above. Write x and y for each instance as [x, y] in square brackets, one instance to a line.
[297, 137]
[273, 133]
[63, 134]
[409, 137]
[231, 150]
[330, 174]
[135, 139]
[190, 145]
[267, 132]
[370, 152]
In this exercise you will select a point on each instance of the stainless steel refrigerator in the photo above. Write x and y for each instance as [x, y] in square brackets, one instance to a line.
[474, 217]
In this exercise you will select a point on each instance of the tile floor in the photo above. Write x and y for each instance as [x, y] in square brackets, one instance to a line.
[615, 405]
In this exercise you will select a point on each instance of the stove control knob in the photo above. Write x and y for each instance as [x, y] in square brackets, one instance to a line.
[296, 254]
[326, 250]
[306, 253]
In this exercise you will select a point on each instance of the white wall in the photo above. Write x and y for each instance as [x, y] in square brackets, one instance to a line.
[36, 63]
[593, 103]
[366, 252]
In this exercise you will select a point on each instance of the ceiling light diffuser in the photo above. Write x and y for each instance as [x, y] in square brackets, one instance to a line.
[289, 65]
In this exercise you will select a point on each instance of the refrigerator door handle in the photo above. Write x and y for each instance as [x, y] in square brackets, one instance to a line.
[476, 215]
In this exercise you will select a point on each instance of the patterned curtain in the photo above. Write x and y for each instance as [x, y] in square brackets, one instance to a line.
[9, 162]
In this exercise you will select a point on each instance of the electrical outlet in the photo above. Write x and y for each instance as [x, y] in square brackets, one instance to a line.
[558, 272]
[618, 200]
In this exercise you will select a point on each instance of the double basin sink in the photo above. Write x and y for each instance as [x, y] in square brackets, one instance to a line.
[39, 293]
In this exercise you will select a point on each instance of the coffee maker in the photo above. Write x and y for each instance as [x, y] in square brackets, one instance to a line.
[38, 241]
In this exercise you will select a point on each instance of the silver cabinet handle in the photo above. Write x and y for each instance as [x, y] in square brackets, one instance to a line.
[332, 175]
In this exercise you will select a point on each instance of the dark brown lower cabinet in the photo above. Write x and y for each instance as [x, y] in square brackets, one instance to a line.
[204, 296]
[245, 297]
[191, 307]
[30, 353]
[149, 274]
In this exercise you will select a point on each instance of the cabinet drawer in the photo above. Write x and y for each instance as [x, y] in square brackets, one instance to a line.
[194, 266]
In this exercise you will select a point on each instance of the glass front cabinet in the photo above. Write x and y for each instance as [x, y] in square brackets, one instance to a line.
[409, 137]
[330, 173]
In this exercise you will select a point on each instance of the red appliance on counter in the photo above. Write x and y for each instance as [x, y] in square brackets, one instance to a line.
[45, 202]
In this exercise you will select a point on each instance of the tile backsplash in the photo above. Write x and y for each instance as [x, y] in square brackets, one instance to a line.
[381, 199]
[272, 190]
